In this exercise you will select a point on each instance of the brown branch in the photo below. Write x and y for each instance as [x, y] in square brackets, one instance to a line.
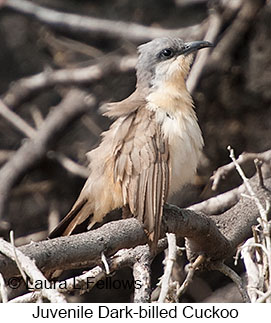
[30, 132]
[221, 56]
[16, 121]
[72, 106]
[215, 236]
[97, 26]
[26, 87]
[214, 26]
[192, 267]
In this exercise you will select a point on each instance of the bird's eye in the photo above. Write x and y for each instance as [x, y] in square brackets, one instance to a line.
[166, 53]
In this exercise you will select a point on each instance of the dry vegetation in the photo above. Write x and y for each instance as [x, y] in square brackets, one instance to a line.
[60, 60]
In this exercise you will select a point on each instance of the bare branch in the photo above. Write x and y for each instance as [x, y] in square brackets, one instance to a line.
[31, 270]
[142, 274]
[264, 297]
[223, 171]
[254, 270]
[214, 26]
[30, 132]
[191, 271]
[16, 121]
[263, 211]
[216, 236]
[247, 184]
[234, 277]
[69, 164]
[15, 257]
[86, 281]
[101, 27]
[221, 56]
[170, 260]
[22, 89]
[219, 203]
[73, 105]
[3, 290]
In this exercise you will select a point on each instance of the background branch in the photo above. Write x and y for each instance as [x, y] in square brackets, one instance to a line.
[73, 105]
[24, 88]
[109, 28]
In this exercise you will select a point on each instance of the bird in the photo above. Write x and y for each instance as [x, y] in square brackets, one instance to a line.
[152, 147]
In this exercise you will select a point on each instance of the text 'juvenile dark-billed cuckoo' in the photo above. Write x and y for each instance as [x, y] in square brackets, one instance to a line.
[152, 148]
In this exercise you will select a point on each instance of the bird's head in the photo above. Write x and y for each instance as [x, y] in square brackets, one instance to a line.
[165, 59]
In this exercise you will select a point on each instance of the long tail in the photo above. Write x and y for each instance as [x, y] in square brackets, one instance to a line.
[74, 218]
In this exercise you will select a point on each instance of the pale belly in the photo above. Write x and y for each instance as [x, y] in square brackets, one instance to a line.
[185, 145]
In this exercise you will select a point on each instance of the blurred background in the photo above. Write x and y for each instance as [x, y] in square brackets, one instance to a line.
[232, 97]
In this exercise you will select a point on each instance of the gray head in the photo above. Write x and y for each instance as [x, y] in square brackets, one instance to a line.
[161, 58]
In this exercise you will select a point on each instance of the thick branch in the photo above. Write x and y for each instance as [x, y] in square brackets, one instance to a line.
[215, 236]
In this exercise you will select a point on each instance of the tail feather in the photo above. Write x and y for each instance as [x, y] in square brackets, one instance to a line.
[66, 227]
[71, 220]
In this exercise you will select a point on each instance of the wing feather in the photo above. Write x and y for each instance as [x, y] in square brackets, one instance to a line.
[141, 164]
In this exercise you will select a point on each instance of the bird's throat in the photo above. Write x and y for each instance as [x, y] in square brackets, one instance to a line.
[172, 97]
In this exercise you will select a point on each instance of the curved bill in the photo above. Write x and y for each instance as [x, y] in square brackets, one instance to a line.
[195, 45]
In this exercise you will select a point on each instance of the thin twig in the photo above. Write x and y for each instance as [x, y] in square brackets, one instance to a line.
[170, 260]
[264, 297]
[263, 211]
[11, 235]
[105, 263]
[84, 283]
[258, 164]
[223, 171]
[3, 290]
[247, 184]
[31, 270]
[67, 163]
[16, 121]
[191, 271]
[254, 268]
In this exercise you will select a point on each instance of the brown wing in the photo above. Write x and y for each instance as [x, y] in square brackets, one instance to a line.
[141, 164]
